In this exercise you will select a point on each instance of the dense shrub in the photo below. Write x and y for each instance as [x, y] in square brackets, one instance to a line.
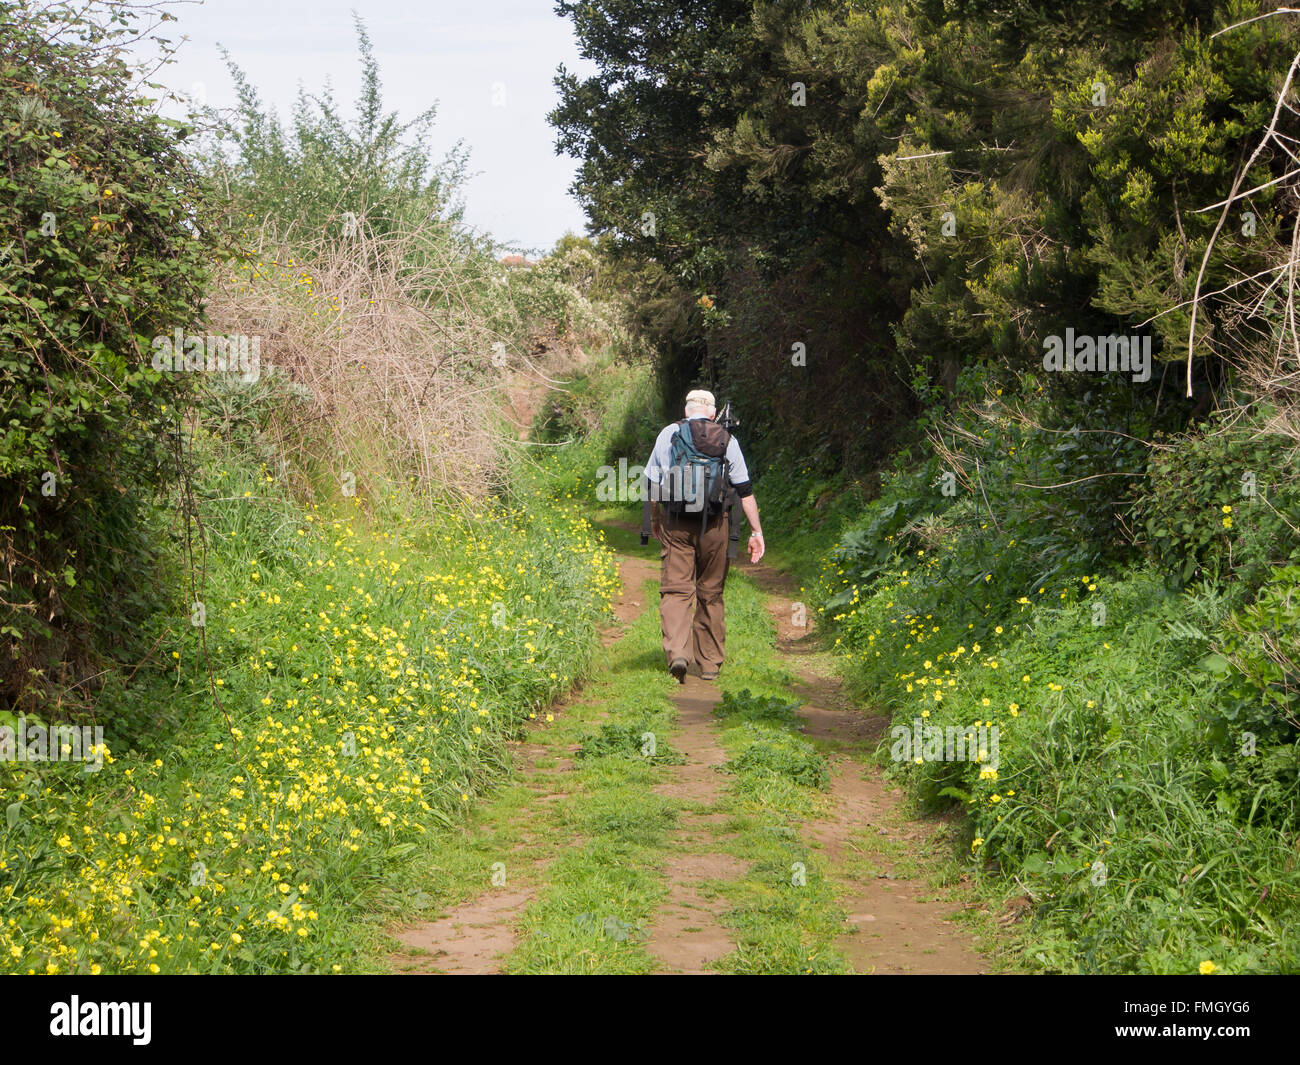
[1260, 654]
[1221, 500]
[104, 244]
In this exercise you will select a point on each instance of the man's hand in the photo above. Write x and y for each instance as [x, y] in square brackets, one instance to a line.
[757, 547]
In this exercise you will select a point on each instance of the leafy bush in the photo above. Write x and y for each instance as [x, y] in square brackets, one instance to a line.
[747, 706]
[1262, 645]
[105, 243]
[1221, 500]
[1012, 494]
[889, 528]
[327, 173]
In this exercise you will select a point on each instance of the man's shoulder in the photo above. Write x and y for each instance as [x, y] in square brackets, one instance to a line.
[664, 439]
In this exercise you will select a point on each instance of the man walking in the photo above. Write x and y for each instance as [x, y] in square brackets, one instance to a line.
[694, 538]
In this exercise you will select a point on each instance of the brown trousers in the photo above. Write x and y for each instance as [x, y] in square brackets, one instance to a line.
[694, 571]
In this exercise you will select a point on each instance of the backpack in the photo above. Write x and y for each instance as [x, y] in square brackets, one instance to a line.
[697, 479]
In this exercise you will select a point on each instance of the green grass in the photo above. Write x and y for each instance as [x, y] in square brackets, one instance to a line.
[604, 886]
[1123, 803]
[783, 910]
[607, 837]
[353, 686]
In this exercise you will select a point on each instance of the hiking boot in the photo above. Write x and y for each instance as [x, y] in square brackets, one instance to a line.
[678, 670]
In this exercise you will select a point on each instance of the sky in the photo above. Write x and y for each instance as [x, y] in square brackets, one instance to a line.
[488, 65]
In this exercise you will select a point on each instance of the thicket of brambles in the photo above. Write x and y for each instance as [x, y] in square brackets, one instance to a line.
[863, 223]
[104, 242]
[398, 320]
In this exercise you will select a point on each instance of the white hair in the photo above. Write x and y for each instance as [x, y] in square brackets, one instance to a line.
[701, 402]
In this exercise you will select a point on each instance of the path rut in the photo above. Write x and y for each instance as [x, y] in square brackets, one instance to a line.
[896, 924]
